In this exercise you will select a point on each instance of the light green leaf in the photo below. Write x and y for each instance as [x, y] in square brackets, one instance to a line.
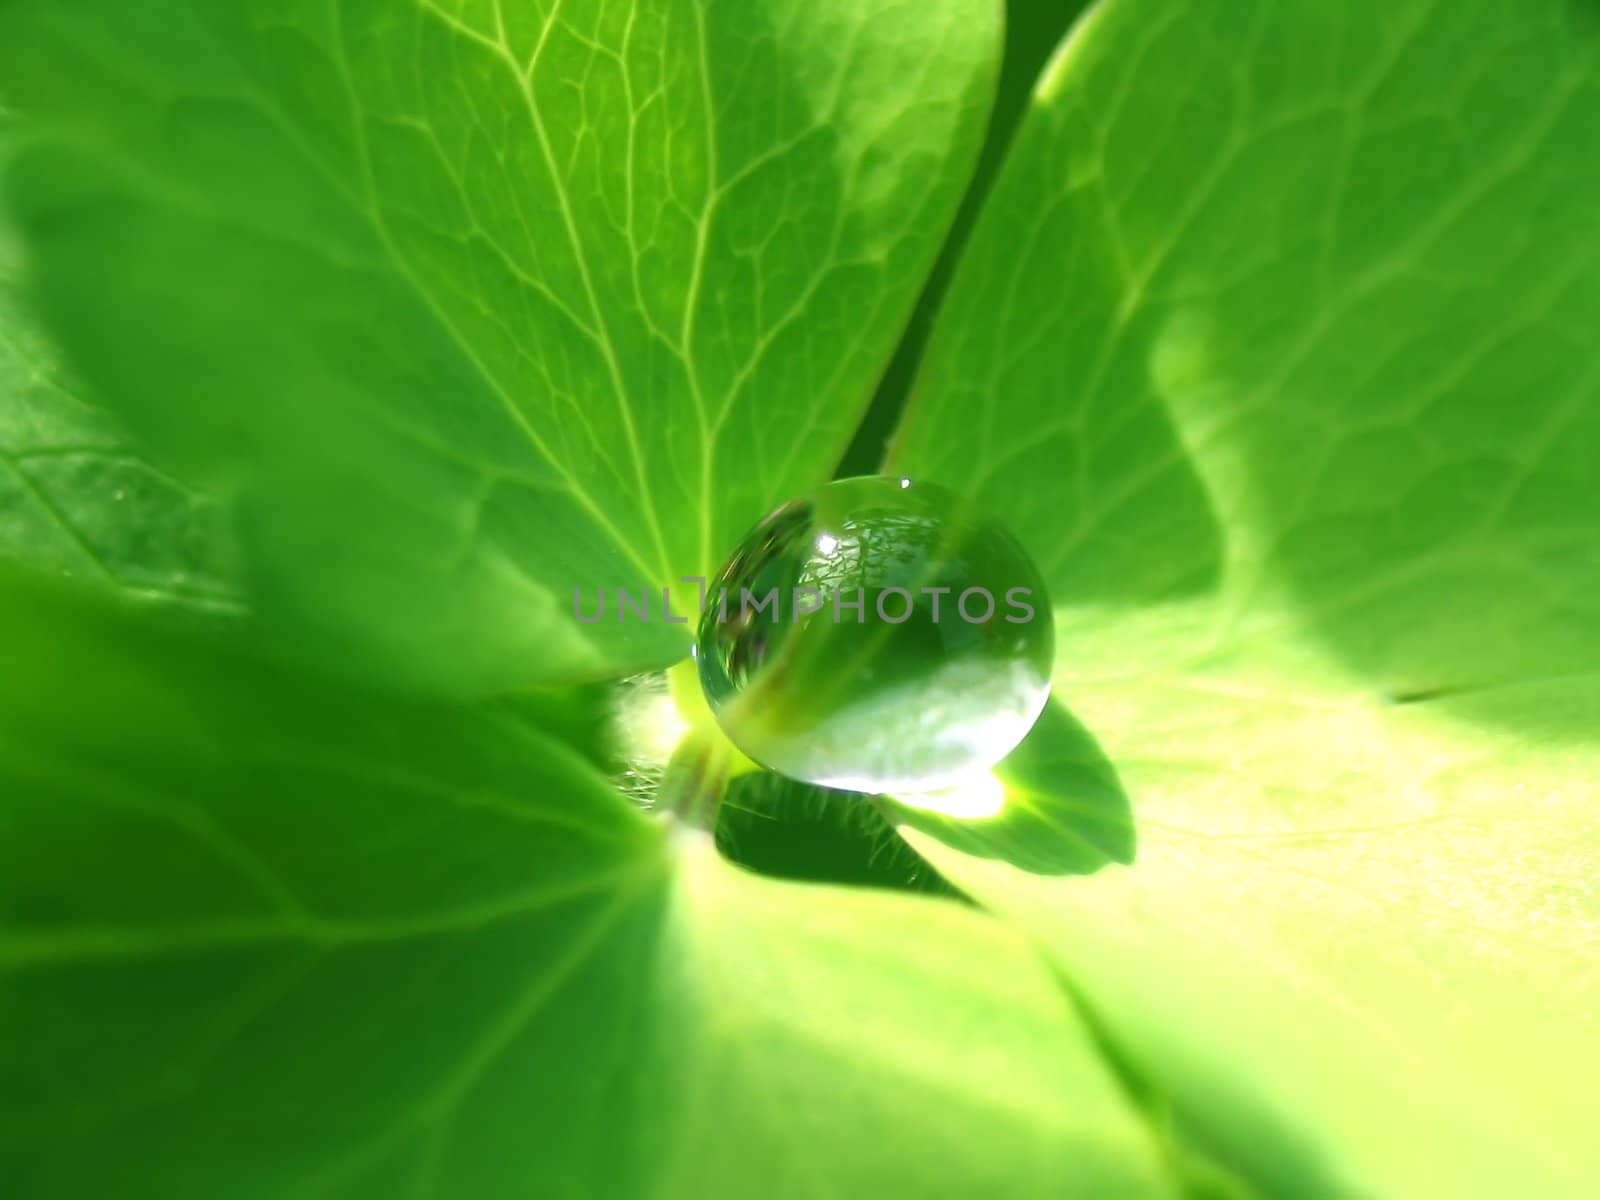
[465, 306]
[263, 938]
[1278, 338]
[75, 497]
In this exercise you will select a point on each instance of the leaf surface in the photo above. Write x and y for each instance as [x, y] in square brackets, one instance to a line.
[1055, 806]
[76, 497]
[1276, 338]
[472, 306]
[266, 937]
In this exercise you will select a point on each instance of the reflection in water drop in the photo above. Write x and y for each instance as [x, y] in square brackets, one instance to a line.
[878, 636]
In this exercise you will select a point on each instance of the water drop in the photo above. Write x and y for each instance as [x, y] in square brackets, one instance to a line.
[879, 637]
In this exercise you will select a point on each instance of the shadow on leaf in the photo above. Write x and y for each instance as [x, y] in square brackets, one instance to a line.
[791, 830]
[1063, 813]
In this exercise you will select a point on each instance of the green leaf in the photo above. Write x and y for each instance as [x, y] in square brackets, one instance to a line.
[1277, 336]
[263, 938]
[464, 306]
[75, 495]
[1058, 809]
[1033, 27]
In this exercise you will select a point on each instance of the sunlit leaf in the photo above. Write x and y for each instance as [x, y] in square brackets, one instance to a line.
[1277, 338]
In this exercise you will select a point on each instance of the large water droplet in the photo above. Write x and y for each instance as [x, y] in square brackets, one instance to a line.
[877, 635]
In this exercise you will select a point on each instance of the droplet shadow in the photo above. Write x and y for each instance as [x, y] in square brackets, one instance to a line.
[786, 829]
[1064, 810]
